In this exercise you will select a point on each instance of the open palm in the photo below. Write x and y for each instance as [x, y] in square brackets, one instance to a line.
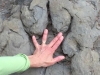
[43, 55]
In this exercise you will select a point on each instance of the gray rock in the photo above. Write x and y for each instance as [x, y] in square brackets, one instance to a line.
[1, 25]
[2, 42]
[61, 18]
[80, 46]
[70, 46]
[58, 69]
[13, 38]
[5, 7]
[33, 71]
[96, 45]
[86, 62]
[84, 30]
[27, 2]
[23, 2]
[83, 24]
[35, 18]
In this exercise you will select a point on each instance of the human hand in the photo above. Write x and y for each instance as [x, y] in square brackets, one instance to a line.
[43, 55]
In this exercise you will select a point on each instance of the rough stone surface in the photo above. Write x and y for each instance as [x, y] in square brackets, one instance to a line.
[58, 69]
[97, 45]
[13, 39]
[86, 63]
[79, 20]
[84, 29]
[35, 17]
[33, 71]
[60, 16]
[70, 45]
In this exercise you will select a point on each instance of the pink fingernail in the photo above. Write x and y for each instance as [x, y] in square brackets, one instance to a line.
[62, 57]
[61, 37]
[60, 34]
[33, 36]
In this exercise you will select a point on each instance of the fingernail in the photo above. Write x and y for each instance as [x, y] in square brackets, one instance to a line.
[62, 57]
[60, 33]
[33, 36]
[62, 38]
[46, 29]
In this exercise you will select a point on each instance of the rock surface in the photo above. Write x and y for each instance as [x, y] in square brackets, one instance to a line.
[61, 18]
[35, 17]
[58, 69]
[84, 29]
[79, 20]
[13, 39]
[86, 63]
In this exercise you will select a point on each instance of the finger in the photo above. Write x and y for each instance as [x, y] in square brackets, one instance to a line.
[35, 41]
[55, 46]
[44, 39]
[55, 40]
[57, 59]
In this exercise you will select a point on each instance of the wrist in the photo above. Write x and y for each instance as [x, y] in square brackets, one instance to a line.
[33, 61]
[30, 60]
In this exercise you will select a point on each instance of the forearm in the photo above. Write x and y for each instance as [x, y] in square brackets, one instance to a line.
[12, 64]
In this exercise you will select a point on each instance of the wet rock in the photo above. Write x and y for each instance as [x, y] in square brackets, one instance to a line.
[61, 18]
[86, 62]
[35, 19]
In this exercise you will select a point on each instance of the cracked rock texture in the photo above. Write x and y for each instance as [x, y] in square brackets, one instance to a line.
[79, 20]
[60, 16]
[35, 17]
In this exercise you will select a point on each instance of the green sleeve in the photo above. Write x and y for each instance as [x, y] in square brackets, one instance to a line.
[12, 64]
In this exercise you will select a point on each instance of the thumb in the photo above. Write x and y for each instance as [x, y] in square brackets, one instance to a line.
[57, 59]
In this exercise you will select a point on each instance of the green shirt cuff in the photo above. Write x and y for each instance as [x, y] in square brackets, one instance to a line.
[27, 63]
[13, 64]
